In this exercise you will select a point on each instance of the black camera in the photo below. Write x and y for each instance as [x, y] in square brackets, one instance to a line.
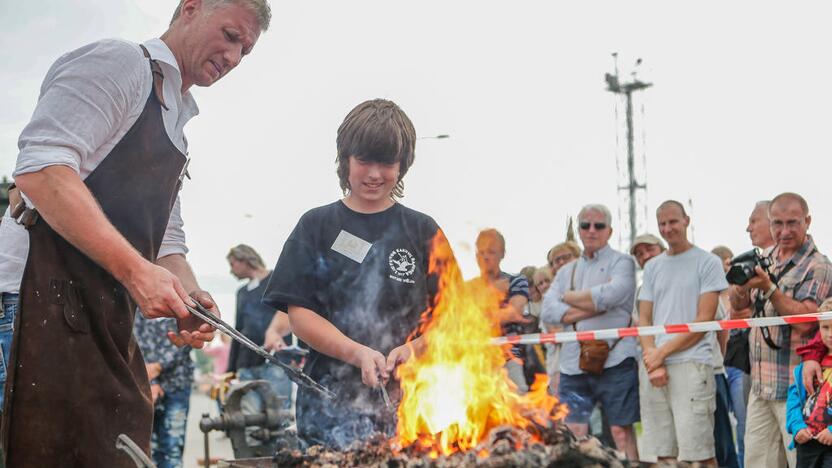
[742, 266]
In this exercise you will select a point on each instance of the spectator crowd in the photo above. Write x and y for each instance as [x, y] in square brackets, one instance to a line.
[718, 398]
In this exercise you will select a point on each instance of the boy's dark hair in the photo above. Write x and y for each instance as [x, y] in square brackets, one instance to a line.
[376, 131]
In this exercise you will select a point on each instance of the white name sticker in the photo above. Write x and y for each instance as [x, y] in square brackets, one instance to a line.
[350, 246]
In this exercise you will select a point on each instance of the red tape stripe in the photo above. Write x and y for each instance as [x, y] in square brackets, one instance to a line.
[585, 335]
[799, 319]
[730, 324]
[632, 331]
[679, 328]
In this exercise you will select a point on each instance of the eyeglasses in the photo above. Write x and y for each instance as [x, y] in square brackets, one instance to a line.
[598, 226]
[561, 259]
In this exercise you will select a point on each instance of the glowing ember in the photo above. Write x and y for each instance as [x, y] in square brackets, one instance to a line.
[456, 390]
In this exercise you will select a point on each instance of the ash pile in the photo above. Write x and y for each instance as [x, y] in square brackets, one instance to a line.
[554, 446]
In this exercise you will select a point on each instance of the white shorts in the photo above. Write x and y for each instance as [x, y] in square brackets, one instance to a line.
[678, 419]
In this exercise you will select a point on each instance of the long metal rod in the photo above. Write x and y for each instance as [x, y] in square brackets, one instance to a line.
[294, 374]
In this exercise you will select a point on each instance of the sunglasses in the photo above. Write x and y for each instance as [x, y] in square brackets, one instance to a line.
[598, 226]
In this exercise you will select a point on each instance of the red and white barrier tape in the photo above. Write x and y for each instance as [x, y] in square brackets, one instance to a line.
[615, 333]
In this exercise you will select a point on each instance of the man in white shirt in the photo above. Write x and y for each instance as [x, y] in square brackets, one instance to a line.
[677, 388]
[99, 168]
[592, 293]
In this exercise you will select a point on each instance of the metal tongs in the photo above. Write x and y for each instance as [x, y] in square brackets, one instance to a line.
[294, 375]
[384, 395]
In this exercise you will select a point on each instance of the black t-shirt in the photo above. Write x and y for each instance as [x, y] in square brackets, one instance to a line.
[375, 298]
[252, 320]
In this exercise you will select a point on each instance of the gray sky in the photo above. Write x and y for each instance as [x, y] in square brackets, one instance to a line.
[739, 111]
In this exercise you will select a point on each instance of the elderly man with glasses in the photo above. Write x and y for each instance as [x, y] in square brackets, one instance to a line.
[595, 292]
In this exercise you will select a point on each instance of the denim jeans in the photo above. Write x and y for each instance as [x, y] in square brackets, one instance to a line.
[726, 454]
[738, 385]
[170, 418]
[11, 303]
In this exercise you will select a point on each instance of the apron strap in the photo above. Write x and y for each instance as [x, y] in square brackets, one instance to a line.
[158, 77]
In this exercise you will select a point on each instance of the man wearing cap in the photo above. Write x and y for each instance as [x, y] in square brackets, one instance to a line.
[645, 247]
[592, 293]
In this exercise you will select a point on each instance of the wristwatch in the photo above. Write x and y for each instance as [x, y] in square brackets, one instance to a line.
[770, 291]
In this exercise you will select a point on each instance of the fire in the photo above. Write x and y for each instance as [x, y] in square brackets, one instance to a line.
[456, 389]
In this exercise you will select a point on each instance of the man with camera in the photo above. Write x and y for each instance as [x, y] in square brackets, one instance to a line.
[596, 292]
[797, 281]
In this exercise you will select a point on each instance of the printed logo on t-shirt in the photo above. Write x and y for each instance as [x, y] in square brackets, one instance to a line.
[402, 264]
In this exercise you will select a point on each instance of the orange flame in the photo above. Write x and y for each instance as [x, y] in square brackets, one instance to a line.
[456, 389]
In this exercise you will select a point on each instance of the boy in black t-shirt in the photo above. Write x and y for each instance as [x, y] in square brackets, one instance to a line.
[353, 277]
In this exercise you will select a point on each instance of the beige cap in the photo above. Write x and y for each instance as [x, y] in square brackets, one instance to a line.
[646, 239]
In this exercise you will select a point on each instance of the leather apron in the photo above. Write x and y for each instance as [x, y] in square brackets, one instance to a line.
[77, 378]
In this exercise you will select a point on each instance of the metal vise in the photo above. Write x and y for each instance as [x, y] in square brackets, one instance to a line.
[273, 423]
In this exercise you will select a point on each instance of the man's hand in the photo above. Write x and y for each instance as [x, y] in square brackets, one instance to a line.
[153, 370]
[811, 371]
[653, 359]
[192, 330]
[658, 378]
[277, 329]
[156, 392]
[825, 437]
[158, 292]
[372, 364]
[803, 436]
[273, 341]
[761, 281]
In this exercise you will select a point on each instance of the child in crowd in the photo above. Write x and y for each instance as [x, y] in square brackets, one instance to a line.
[809, 412]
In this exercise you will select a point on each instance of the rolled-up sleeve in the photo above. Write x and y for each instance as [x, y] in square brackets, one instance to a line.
[174, 240]
[621, 287]
[83, 99]
[553, 308]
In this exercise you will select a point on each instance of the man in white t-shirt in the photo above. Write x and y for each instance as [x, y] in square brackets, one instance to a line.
[676, 388]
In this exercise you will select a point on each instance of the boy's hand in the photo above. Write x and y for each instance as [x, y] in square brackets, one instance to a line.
[372, 364]
[811, 371]
[398, 356]
[803, 436]
[825, 437]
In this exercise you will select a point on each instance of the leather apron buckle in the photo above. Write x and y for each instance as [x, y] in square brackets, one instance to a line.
[23, 215]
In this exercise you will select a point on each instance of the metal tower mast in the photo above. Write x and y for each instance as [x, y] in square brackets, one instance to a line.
[632, 186]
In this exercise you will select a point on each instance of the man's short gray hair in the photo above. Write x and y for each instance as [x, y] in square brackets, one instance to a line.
[599, 208]
[260, 8]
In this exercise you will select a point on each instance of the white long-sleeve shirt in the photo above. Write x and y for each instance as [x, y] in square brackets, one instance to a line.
[89, 99]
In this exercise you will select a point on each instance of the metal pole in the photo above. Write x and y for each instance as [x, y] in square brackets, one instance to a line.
[207, 452]
[631, 186]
